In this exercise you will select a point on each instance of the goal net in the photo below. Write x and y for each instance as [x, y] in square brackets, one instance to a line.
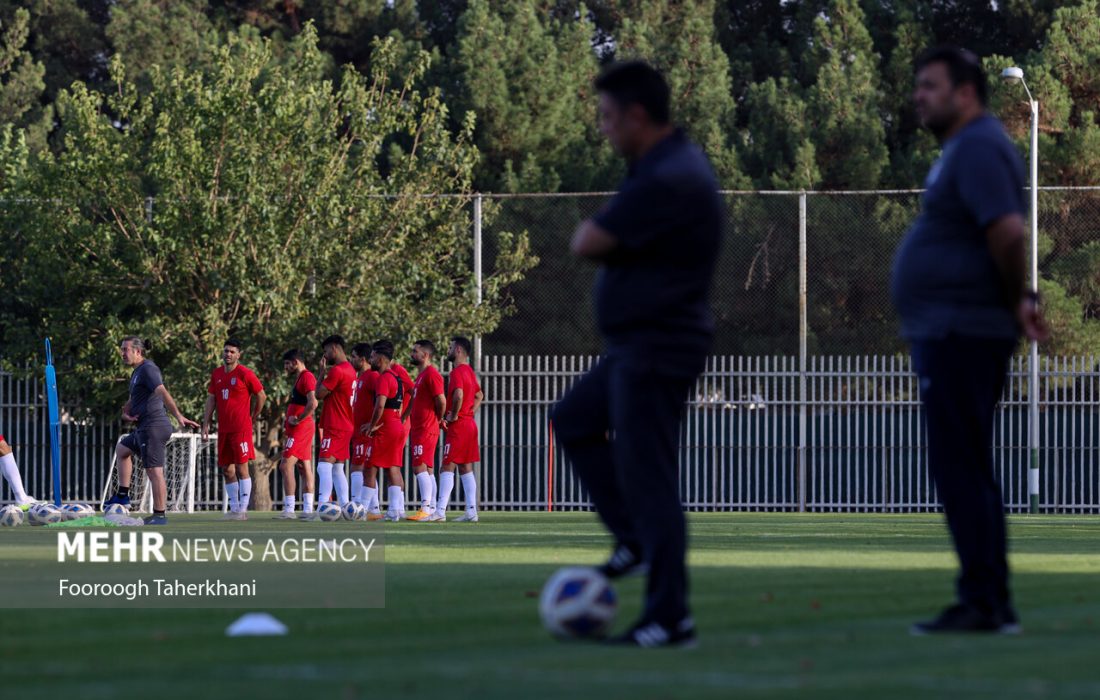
[186, 455]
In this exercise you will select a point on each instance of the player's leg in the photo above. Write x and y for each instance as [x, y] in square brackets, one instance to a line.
[396, 494]
[469, 491]
[287, 467]
[154, 453]
[124, 463]
[646, 412]
[370, 489]
[425, 482]
[232, 490]
[11, 473]
[305, 471]
[446, 487]
[582, 421]
[340, 483]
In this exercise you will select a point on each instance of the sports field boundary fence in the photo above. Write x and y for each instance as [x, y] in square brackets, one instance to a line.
[759, 434]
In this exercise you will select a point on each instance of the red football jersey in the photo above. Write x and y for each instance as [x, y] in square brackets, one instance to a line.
[232, 392]
[363, 408]
[336, 413]
[429, 384]
[463, 377]
[406, 384]
[305, 383]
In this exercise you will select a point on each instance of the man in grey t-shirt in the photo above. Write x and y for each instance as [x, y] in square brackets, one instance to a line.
[148, 400]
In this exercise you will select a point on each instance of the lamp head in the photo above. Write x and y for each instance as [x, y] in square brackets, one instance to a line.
[1012, 74]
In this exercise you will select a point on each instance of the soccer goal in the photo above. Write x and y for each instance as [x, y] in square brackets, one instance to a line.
[183, 458]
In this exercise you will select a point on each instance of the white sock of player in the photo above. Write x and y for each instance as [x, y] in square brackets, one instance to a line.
[357, 487]
[469, 490]
[397, 499]
[232, 492]
[324, 482]
[307, 502]
[11, 473]
[424, 483]
[245, 493]
[288, 503]
[340, 479]
[370, 495]
[446, 485]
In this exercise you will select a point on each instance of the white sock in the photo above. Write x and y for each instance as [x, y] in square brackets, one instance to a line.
[469, 490]
[11, 473]
[370, 495]
[357, 487]
[288, 503]
[246, 492]
[446, 485]
[232, 492]
[424, 483]
[340, 479]
[307, 502]
[397, 499]
[324, 482]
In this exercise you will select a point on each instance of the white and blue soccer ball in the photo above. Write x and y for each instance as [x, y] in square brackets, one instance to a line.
[71, 511]
[11, 516]
[85, 510]
[354, 511]
[578, 602]
[329, 512]
[45, 514]
[116, 509]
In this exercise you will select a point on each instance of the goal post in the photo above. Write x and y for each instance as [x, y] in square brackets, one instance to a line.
[182, 457]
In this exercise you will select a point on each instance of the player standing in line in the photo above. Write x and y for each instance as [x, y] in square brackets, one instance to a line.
[336, 424]
[460, 448]
[149, 399]
[362, 413]
[425, 415]
[299, 427]
[238, 396]
[388, 432]
[11, 474]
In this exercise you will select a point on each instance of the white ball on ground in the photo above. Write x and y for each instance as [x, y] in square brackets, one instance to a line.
[354, 511]
[45, 514]
[329, 512]
[578, 602]
[11, 516]
[116, 509]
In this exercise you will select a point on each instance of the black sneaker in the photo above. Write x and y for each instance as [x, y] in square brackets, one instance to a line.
[651, 635]
[121, 500]
[155, 520]
[960, 618]
[624, 561]
[1008, 622]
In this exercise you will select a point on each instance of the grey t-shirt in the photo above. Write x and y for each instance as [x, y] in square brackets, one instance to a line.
[945, 279]
[145, 403]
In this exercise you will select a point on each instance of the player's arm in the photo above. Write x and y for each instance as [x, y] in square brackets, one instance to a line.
[170, 404]
[478, 398]
[440, 407]
[258, 401]
[1006, 238]
[455, 407]
[376, 418]
[322, 390]
[207, 414]
[311, 406]
[126, 415]
[590, 240]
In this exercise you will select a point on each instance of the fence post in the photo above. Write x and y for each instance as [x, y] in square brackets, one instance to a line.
[802, 359]
[477, 274]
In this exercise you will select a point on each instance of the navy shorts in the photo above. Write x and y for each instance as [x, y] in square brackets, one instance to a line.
[150, 443]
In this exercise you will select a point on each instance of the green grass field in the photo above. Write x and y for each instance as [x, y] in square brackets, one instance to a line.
[787, 605]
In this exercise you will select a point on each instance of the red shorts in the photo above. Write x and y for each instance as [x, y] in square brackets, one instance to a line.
[423, 447]
[235, 448]
[299, 445]
[335, 445]
[360, 449]
[388, 449]
[460, 446]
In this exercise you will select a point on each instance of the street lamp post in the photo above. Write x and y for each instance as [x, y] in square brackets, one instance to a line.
[1013, 74]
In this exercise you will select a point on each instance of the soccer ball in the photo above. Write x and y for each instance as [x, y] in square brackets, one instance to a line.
[45, 514]
[329, 512]
[354, 511]
[577, 602]
[85, 510]
[116, 509]
[11, 516]
[72, 511]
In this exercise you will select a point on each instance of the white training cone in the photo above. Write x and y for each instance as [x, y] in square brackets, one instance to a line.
[256, 625]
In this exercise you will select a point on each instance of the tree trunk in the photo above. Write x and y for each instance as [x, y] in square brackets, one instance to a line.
[267, 460]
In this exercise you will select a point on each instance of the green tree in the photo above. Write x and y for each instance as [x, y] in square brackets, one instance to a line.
[287, 207]
[165, 33]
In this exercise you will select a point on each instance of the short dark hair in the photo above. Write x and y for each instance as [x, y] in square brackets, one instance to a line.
[361, 349]
[636, 82]
[333, 340]
[233, 343]
[464, 343]
[962, 66]
[384, 348]
[427, 345]
[293, 356]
